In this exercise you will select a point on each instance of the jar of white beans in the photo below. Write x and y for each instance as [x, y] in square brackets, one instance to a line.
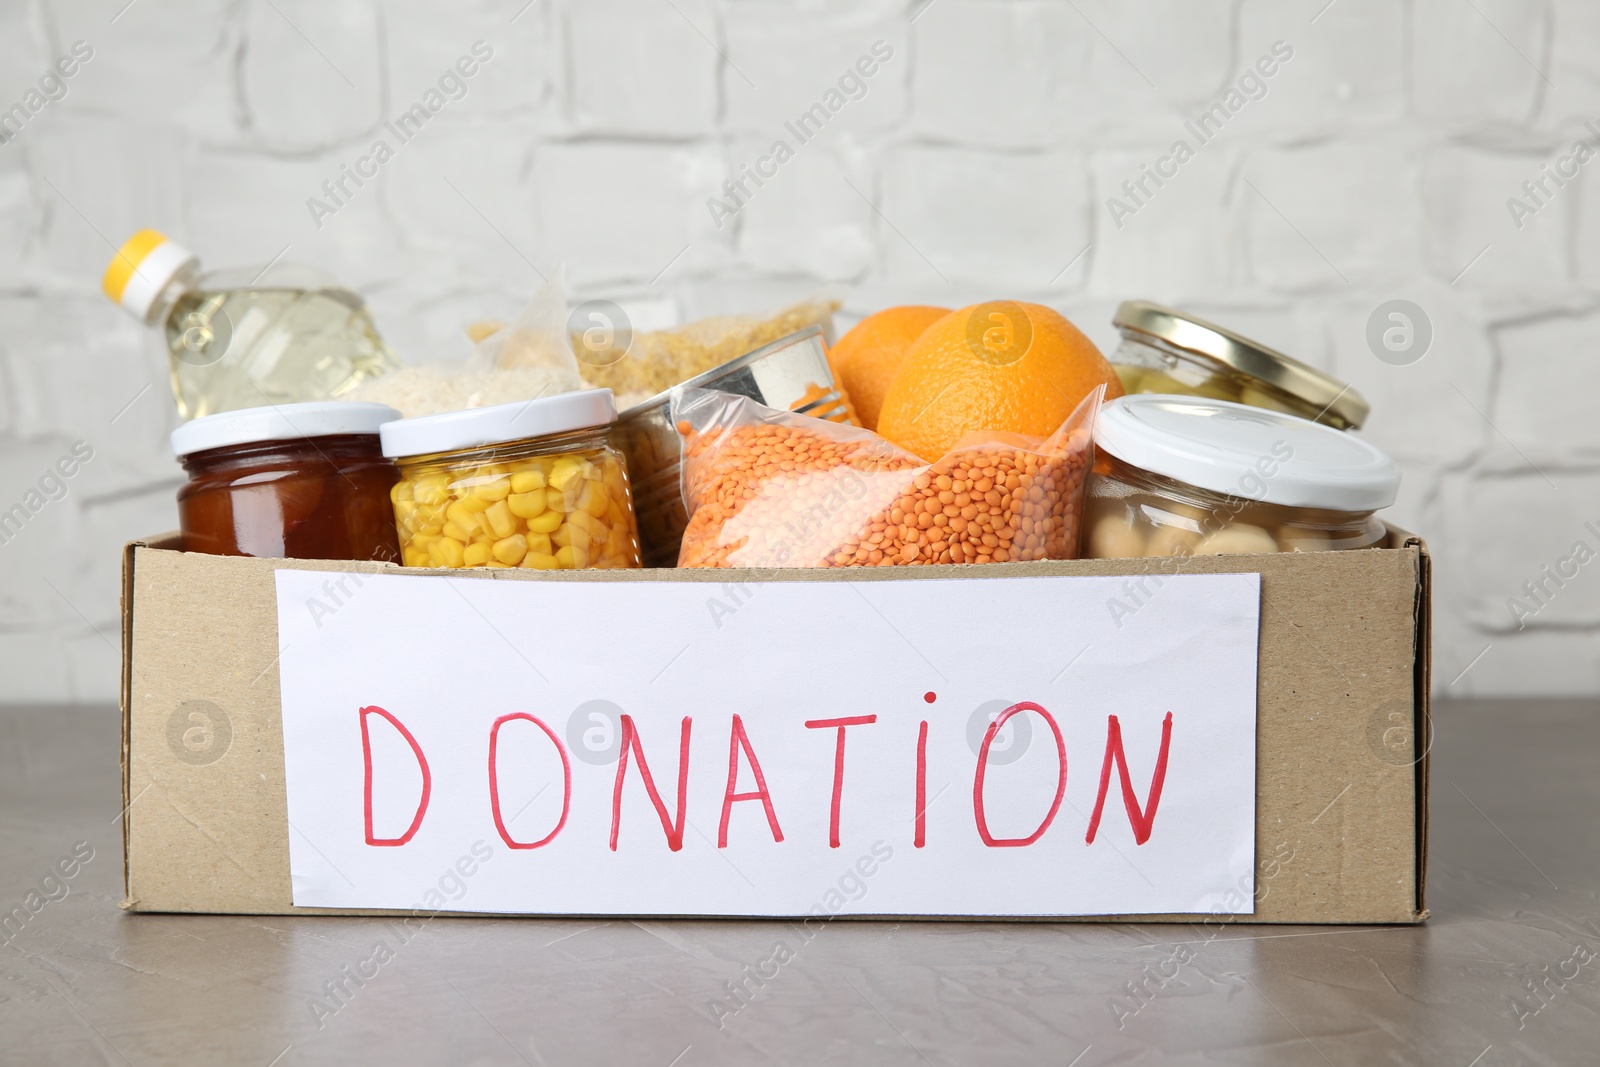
[1179, 476]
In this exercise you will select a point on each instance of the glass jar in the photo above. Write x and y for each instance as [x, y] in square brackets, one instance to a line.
[1192, 476]
[1172, 352]
[297, 481]
[535, 485]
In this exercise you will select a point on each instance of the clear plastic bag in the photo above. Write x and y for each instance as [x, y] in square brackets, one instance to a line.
[524, 361]
[656, 360]
[767, 488]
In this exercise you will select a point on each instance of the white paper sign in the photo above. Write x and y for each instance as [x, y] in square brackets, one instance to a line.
[1001, 746]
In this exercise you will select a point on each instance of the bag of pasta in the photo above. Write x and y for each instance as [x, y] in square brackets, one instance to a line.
[767, 488]
[637, 365]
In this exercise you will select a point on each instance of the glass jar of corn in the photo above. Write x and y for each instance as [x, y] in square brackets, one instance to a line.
[533, 485]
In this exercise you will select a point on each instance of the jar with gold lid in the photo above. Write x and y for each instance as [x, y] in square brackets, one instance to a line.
[1168, 351]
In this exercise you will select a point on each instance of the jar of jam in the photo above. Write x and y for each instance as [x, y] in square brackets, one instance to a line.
[535, 485]
[1189, 476]
[1169, 351]
[297, 481]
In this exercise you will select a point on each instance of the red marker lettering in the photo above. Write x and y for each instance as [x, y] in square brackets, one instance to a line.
[630, 746]
[366, 787]
[494, 781]
[920, 833]
[737, 739]
[838, 764]
[983, 767]
[1141, 819]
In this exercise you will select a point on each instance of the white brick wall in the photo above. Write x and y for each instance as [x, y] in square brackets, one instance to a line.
[978, 164]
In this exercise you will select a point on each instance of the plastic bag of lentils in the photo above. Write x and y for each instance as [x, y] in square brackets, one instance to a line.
[769, 488]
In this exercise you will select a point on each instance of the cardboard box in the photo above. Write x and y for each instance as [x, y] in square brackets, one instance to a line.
[1342, 723]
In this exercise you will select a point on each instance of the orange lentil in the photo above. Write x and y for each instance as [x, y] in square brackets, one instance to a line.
[770, 494]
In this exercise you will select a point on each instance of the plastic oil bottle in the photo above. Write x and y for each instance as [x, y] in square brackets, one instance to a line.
[249, 337]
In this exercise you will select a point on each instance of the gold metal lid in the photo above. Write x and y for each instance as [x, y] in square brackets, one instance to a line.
[1340, 404]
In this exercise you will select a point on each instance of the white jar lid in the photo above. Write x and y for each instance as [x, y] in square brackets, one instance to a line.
[479, 427]
[280, 422]
[1247, 452]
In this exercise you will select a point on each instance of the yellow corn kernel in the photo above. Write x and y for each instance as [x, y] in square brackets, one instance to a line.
[572, 557]
[424, 538]
[616, 482]
[557, 500]
[475, 555]
[400, 491]
[404, 510]
[463, 518]
[567, 470]
[430, 529]
[473, 503]
[538, 561]
[495, 564]
[452, 530]
[548, 522]
[499, 520]
[448, 552]
[576, 536]
[510, 550]
[498, 489]
[594, 499]
[526, 505]
[430, 489]
[527, 481]
[414, 556]
[540, 543]
[587, 522]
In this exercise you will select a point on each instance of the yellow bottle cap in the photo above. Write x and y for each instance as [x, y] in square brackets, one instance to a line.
[142, 267]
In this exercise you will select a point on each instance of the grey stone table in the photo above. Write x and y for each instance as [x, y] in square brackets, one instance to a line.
[1506, 972]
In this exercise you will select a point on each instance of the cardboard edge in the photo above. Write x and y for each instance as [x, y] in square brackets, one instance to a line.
[1181, 917]
[125, 694]
[130, 552]
[1422, 727]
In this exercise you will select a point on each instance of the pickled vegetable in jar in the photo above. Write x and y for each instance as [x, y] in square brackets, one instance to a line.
[298, 481]
[534, 485]
[1173, 352]
[1181, 476]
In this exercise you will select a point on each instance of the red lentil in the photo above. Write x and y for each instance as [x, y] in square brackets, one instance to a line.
[774, 495]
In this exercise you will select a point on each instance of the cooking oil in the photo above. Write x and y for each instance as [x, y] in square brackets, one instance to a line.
[241, 348]
[247, 338]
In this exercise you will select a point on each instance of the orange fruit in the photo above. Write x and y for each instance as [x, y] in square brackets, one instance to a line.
[866, 359]
[999, 366]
